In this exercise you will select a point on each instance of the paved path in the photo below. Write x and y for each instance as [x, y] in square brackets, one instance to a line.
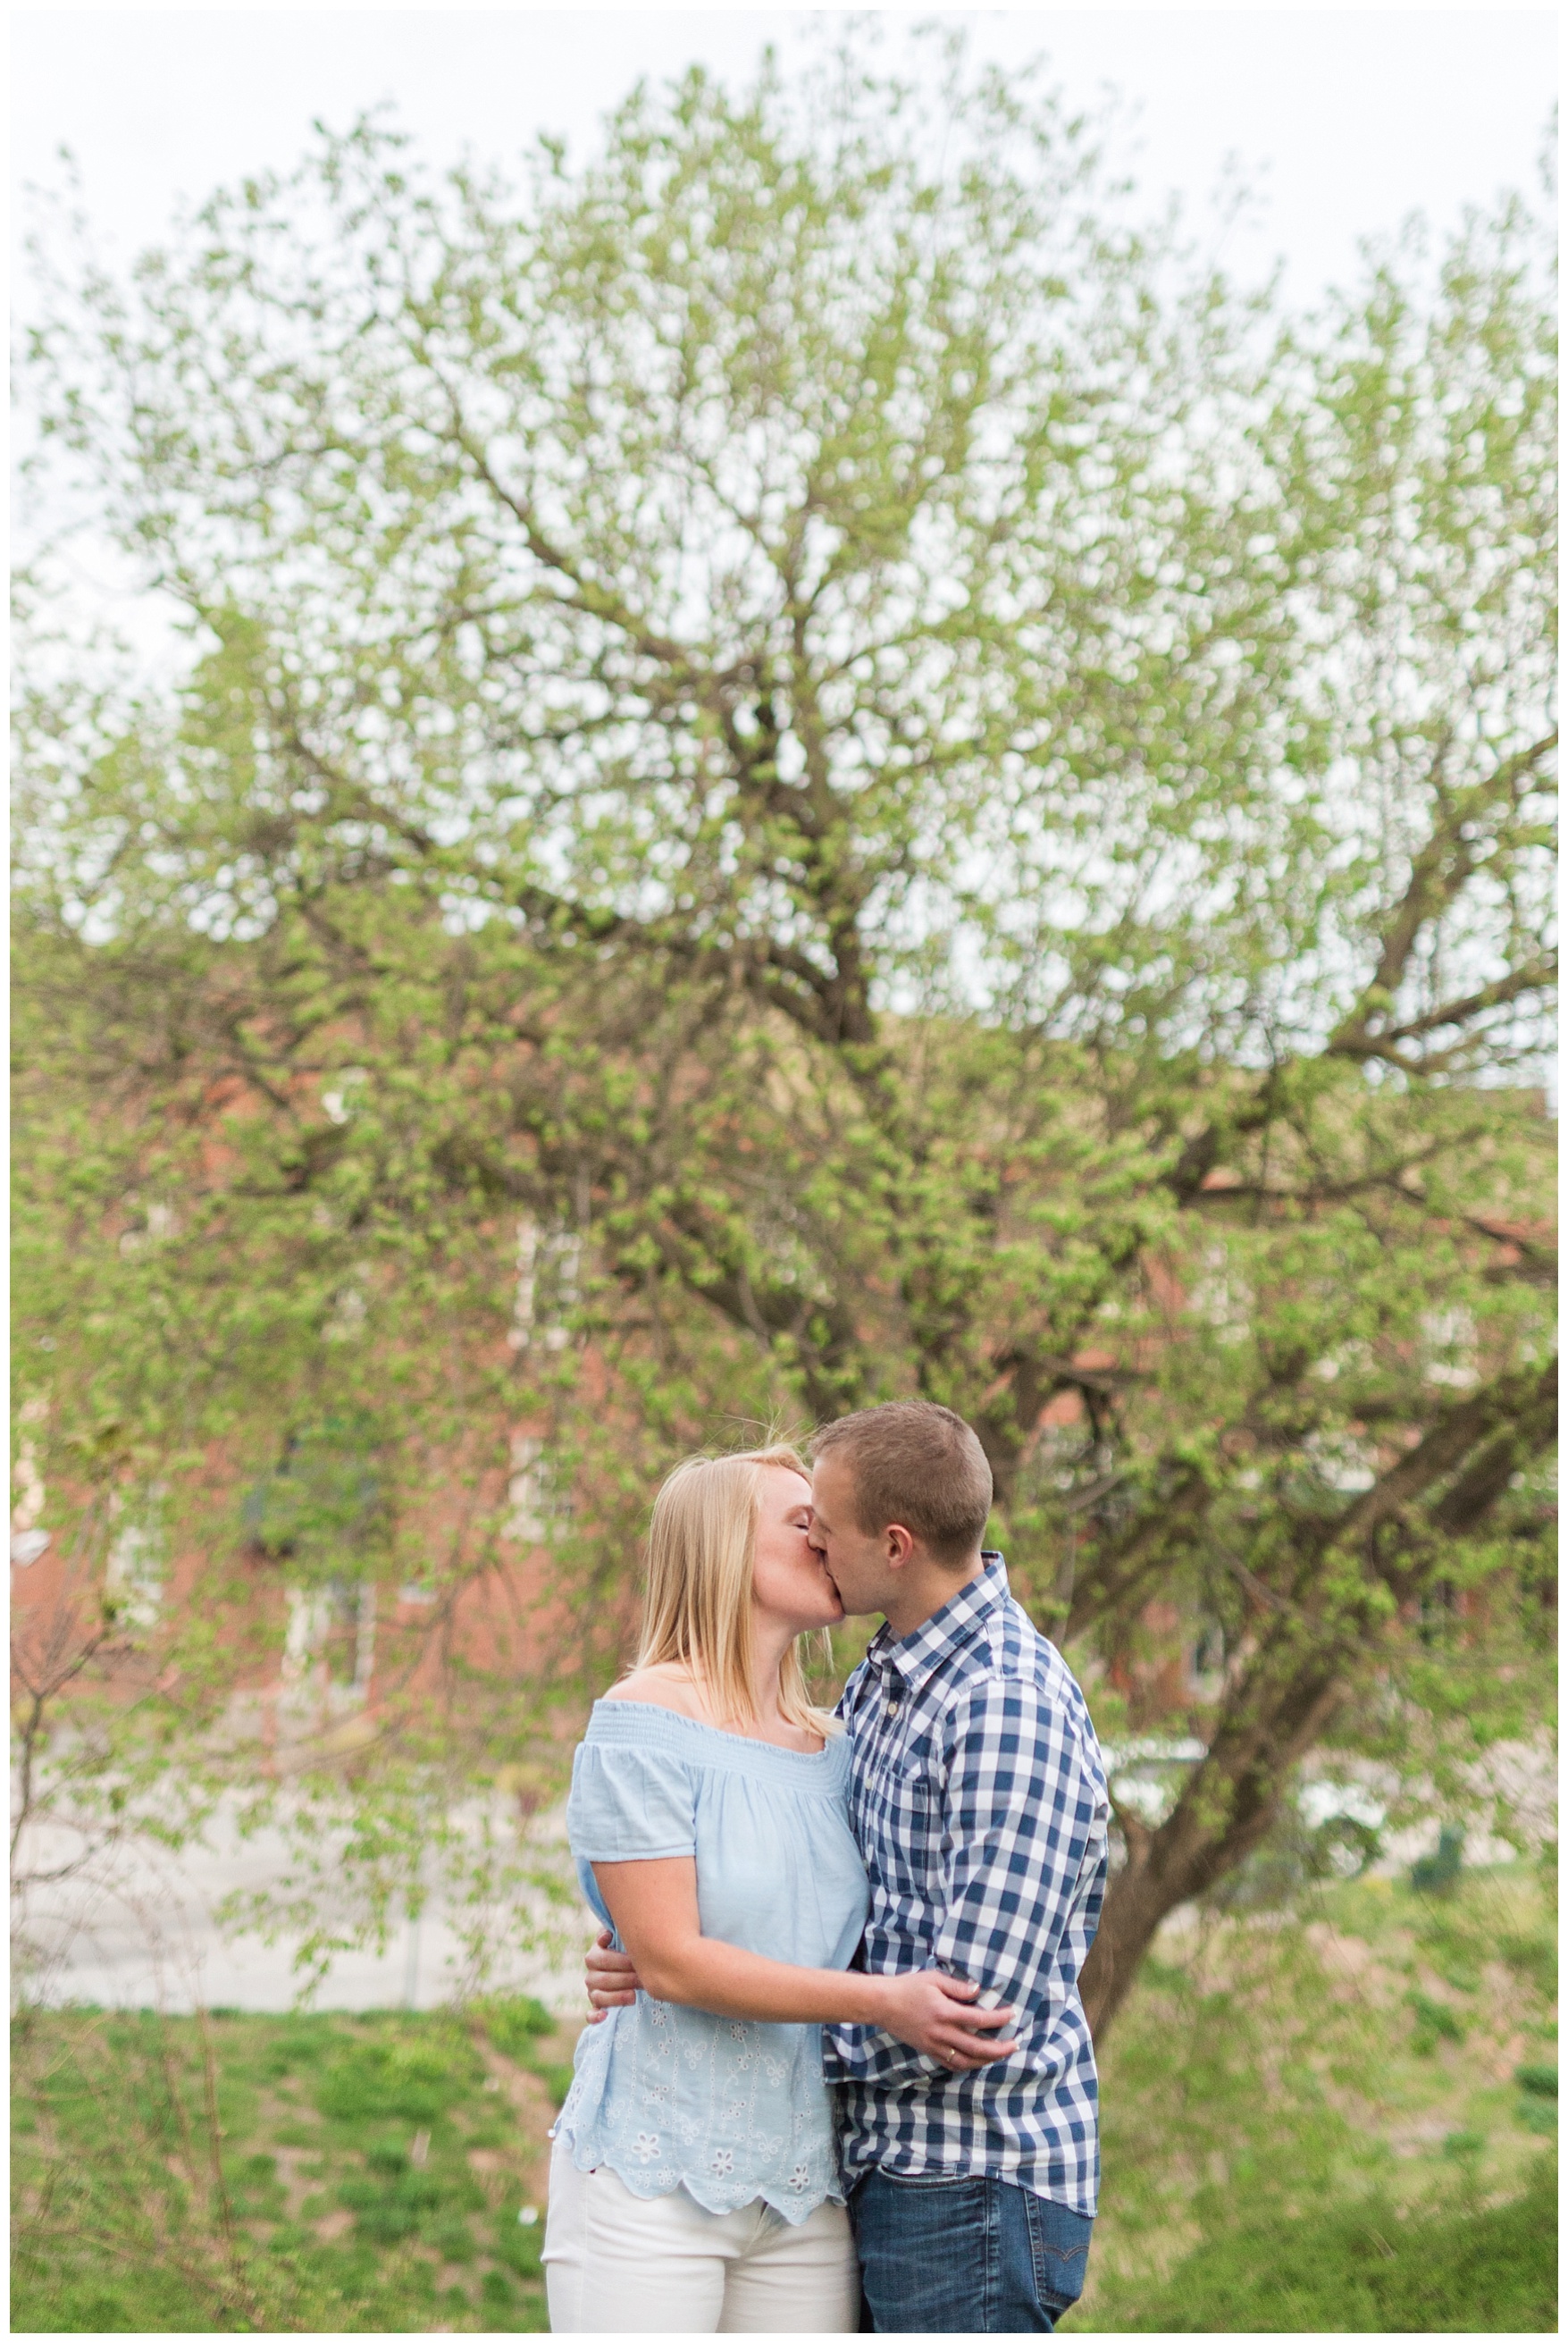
[138, 1931]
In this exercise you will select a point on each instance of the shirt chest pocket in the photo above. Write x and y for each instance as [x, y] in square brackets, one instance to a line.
[913, 1832]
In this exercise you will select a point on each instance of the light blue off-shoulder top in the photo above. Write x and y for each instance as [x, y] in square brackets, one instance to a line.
[729, 2109]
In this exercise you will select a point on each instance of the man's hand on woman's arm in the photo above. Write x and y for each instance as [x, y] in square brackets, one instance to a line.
[612, 1979]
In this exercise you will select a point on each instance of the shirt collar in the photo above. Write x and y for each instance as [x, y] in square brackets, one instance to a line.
[914, 1657]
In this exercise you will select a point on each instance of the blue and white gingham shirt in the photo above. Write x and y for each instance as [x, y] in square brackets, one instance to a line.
[979, 1800]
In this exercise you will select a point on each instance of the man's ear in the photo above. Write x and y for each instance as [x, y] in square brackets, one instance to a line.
[899, 1544]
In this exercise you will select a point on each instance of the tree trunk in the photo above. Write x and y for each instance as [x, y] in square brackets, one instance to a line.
[1135, 1903]
[1228, 1806]
[1303, 1666]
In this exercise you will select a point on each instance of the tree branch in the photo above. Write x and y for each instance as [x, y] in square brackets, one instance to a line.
[1439, 873]
[1516, 1398]
[1533, 977]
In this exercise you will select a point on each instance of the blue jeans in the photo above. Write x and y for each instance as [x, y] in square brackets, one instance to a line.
[946, 2257]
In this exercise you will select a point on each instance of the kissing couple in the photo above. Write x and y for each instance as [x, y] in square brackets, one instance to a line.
[841, 2079]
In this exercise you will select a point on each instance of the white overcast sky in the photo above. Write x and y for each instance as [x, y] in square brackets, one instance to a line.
[1347, 118]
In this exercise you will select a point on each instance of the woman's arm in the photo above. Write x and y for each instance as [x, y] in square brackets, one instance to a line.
[654, 1906]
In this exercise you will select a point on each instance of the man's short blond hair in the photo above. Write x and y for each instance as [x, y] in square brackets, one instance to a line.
[917, 1464]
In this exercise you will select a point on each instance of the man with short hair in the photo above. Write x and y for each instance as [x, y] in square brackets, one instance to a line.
[979, 1800]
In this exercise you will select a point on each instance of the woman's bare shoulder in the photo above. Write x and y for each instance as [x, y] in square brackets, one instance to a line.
[665, 1685]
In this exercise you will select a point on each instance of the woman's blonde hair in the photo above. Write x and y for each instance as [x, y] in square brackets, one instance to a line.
[701, 1553]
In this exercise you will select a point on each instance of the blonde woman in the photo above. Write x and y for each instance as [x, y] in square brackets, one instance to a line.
[695, 2184]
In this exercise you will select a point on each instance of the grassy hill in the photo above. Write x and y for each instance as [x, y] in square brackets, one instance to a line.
[374, 2174]
[1340, 2117]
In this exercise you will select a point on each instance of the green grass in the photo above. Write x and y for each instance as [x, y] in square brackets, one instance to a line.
[1372, 2268]
[1335, 2117]
[368, 2174]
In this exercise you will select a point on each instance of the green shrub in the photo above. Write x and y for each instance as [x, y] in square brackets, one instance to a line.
[514, 2022]
[453, 2238]
[416, 2079]
[1534, 1957]
[387, 2210]
[298, 2044]
[1434, 2023]
[1438, 1874]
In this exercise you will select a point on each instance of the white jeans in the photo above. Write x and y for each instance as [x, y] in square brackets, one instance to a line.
[616, 2263]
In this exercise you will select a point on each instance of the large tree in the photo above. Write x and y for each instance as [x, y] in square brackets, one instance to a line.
[931, 795]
